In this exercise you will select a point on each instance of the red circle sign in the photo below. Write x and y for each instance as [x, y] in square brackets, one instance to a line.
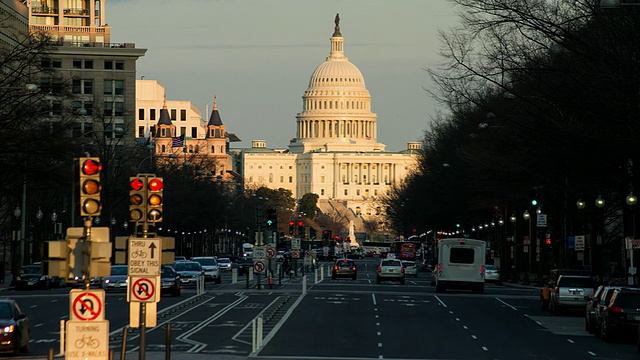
[271, 253]
[143, 289]
[87, 306]
[258, 266]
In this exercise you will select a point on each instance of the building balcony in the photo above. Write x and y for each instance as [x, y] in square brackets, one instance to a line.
[44, 10]
[76, 11]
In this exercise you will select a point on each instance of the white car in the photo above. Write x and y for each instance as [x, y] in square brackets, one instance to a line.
[224, 264]
[210, 267]
[492, 274]
[410, 268]
[390, 269]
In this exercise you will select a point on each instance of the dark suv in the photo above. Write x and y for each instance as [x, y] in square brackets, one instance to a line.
[344, 268]
[622, 315]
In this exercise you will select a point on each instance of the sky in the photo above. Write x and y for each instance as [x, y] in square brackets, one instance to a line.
[257, 57]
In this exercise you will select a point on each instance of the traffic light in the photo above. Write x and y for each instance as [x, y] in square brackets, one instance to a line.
[272, 219]
[325, 235]
[547, 239]
[300, 228]
[290, 227]
[312, 233]
[155, 186]
[138, 198]
[533, 195]
[90, 186]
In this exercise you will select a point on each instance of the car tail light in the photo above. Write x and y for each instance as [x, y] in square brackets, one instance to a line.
[440, 267]
[353, 268]
[401, 269]
[335, 267]
[616, 309]
[481, 269]
[379, 268]
[557, 291]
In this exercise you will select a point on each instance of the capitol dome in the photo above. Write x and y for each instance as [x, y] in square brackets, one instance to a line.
[336, 107]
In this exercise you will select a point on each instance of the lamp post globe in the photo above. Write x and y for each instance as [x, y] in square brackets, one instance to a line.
[513, 218]
[526, 215]
[600, 202]
[39, 214]
[580, 204]
[17, 212]
[631, 199]
[54, 216]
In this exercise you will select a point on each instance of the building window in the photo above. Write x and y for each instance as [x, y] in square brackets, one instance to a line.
[88, 87]
[140, 131]
[290, 179]
[375, 192]
[281, 178]
[321, 191]
[173, 114]
[270, 178]
[108, 64]
[194, 132]
[346, 192]
[358, 192]
[140, 114]
[77, 63]
[197, 149]
[163, 148]
[183, 131]
[152, 114]
[183, 115]
[88, 64]
[213, 149]
[88, 107]
[119, 64]
[358, 210]
[119, 108]
[322, 178]
[191, 149]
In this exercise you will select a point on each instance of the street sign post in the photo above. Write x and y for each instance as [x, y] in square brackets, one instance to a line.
[145, 255]
[258, 266]
[87, 340]
[150, 314]
[259, 253]
[295, 244]
[86, 305]
[142, 289]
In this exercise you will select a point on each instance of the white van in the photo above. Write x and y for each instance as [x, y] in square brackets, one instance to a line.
[460, 265]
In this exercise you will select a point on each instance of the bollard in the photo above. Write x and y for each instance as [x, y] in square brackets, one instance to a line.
[315, 274]
[321, 273]
[259, 332]
[123, 349]
[167, 348]
[250, 270]
[279, 274]
[254, 342]
[304, 284]
[62, 331]
[50, 355]
[234, 276]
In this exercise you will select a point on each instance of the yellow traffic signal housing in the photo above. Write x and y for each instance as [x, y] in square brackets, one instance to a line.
[138, 198]
[155, 199]
[90, 186]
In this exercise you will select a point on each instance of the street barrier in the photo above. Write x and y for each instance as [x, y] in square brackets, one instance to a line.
[304, 284]
[234, 276]
[256, 333]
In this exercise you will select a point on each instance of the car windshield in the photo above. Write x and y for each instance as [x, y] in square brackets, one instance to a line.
[223, 261]
[5, 311]
[490, 267]
[186, 266]
[119, 270]
[167, 272]
[206, 262]
[408, 263]
[31, 270]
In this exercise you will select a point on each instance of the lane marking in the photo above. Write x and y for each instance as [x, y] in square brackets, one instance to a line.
[373, 296]
[457, 319]
[379, 333]
[379, 344]
[509, 305]
[38, 325]
[465, 327]
[591, 353]
[440, 301]
[377, 324]
[474, 337]
[485, 348]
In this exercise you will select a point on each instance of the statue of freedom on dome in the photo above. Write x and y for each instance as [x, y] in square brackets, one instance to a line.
[337, 29]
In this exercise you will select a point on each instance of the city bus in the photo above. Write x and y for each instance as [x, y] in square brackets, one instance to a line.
[405, 250]
[460, 265]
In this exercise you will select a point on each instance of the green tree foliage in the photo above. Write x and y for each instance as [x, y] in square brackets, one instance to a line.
[309, 205]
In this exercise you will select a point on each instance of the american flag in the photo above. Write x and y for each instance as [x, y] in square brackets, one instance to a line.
[177, 141]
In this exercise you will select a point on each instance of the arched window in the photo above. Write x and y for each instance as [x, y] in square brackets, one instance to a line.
[213, 149]
[197, 149]
[358, 210]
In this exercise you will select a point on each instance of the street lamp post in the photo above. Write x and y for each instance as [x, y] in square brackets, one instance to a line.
[514, 247]
[632, 200]
[527, 217]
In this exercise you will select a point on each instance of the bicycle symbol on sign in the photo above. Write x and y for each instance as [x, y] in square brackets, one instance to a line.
[87, 340]
[138, 253]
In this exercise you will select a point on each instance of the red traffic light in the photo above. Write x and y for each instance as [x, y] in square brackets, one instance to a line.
[91, 167]
[547, 241]
[326, 232]
[156, 185]
[137, 184]
[290, 223]
[300, 223]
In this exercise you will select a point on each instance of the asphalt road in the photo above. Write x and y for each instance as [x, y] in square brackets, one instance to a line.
[336, 319]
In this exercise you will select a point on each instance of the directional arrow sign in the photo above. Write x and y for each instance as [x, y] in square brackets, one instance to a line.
[86, 305]
[145, 256]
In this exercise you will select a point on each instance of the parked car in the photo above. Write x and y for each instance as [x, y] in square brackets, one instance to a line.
[16, 335]
[225, 264]
[170, 281]
[189, 271]
[210, 266]
[30, 277]
[569, 293]
[492, 274]
[390, 269]
[622, 316]
[605, 298]
[592, 308]
[410, 268]
[179, 258]
[344, 268]
[117, 280]
[244, 264]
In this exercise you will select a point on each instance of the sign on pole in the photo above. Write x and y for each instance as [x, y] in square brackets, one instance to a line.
[542, 220]
[271, 253]
[86, 305]
[295, 254]
[579, 243]
[142, 289]
[87, 340]
[145, 255]
[151, 313]
[295, 244]
[258, 266]
[259, 253]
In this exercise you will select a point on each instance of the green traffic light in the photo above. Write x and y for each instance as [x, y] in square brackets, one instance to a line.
[269, 222]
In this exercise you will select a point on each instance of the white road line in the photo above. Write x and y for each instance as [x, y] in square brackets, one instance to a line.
[377, 324]
[571, 341]
[379, 333]
[440, 301]
[380, 357]
[369, 281]
[457, 319]
[373, 296]
[465, 327]
[379, 344]
[485, 348]
[591, 353]
[377, 316]
[38, 325]
[33, 306]
[474, 337]
[539, 323]
[509, 305]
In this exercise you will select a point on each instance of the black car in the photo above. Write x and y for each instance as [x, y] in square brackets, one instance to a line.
[244, 264]
[622, 315]
[592, 307]
[170, 281]
[344, 268]
[15, 337]
[30, 277]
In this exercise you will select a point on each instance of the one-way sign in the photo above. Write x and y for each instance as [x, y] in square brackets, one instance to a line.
[145, 256]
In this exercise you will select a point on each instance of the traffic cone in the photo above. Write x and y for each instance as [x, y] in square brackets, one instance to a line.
[270, 282]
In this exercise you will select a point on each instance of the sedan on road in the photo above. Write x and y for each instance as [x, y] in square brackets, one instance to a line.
[390, 269]
[224, 264]
[492, 274]
[410, 268]
[344, 268]
[210, 267]
[117, 280]
[30, 277]
[170, 281]
[189, 271]
[14, 328]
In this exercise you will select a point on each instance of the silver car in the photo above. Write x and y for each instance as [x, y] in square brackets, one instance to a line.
[390, 269]
[210, 267]
[492, 274]
[410, 268]
[569, 292]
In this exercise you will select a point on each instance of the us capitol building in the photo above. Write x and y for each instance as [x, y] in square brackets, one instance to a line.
[335, 153]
